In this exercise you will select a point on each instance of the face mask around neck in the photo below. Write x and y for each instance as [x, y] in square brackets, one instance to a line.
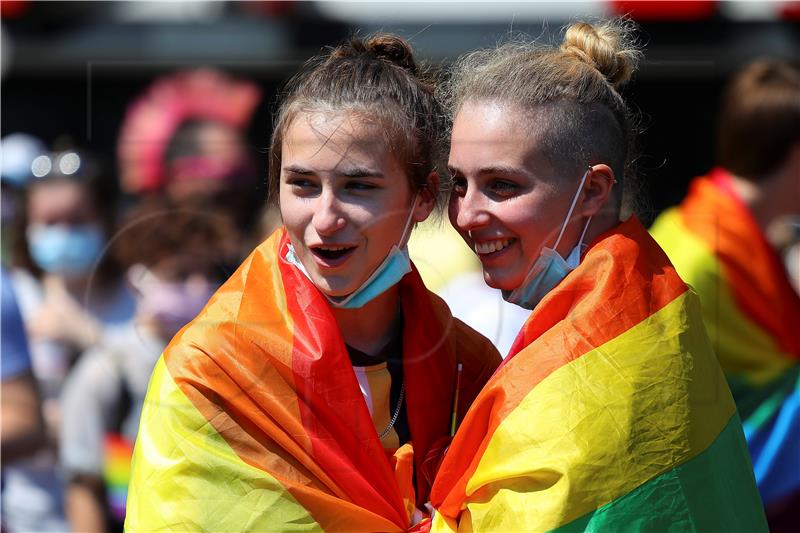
[388, 274]
[550, 268]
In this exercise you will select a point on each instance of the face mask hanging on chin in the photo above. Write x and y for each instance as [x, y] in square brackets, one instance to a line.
[550, 268]
[388, 274]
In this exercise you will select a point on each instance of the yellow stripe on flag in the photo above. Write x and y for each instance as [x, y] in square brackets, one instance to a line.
[627, 411]
[180, 491]
[750, 353]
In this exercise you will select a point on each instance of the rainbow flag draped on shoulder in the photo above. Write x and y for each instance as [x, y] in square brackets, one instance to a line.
[609, 414]
[254, 420]
[752, 314]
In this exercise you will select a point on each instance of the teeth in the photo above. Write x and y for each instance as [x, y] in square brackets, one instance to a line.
[491, 246]
[333, 248]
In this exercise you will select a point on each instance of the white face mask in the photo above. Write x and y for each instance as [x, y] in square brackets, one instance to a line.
[388, 274]
[550, 268]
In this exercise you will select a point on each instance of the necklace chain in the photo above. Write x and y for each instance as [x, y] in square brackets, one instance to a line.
[396, 413]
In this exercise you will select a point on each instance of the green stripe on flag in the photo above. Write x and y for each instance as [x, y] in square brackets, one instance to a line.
[715, 491]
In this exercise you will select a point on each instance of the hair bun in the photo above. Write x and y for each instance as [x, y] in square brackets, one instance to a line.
[609, 47]
[393, 49]
[387, 47]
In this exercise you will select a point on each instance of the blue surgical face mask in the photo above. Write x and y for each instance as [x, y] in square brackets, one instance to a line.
[550, 268]
[388, 274]
[65, 249]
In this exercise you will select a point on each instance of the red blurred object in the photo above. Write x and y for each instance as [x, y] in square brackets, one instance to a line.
[269, 8]
[790, 11]
[665, 9]
[10, 9]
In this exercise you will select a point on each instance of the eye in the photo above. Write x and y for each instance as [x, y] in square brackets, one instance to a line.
[360, 186]
[301, 185]
[459, 186]
[503, 188]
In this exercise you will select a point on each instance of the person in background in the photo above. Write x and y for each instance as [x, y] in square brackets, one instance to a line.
[610, 412]
[184, 137]
[68, 288]
[175, 256]
[717, 240]
[319, 387]
[23, 431]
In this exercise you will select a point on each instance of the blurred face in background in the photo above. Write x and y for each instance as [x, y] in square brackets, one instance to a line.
[344, 198]
[173, 290]
[65, 235]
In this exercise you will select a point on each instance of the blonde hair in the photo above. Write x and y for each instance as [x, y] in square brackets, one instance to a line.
[574, 86]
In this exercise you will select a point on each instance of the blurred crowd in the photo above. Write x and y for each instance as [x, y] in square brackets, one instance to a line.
[102, 264]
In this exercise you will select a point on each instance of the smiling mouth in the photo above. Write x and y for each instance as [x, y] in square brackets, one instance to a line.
[490, 247]
[331, 253]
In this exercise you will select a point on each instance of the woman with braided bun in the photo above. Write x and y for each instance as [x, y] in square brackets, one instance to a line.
[318, 389]
[610, 411]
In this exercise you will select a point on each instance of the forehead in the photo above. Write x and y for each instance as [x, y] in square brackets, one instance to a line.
[491, 128]
[57, 197]
[331, 133]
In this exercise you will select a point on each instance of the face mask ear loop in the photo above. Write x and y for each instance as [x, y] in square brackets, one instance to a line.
[572, 208]
[404, 238]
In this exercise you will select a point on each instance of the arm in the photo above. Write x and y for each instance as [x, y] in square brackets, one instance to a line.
[22, 422]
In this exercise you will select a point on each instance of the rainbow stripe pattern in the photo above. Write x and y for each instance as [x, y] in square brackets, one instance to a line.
[254, 420]
[752, 314]
[117, 473]
[610, 413]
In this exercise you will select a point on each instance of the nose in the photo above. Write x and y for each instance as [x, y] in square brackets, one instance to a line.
[328, 217]
[468, 212]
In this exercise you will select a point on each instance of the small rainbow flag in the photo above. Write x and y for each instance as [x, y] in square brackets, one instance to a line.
[117, 473]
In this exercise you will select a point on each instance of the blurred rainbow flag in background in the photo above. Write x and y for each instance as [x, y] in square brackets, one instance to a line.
[752, 314]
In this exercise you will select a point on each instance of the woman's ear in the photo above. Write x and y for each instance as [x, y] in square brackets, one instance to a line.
[426, 198]
[599, 187]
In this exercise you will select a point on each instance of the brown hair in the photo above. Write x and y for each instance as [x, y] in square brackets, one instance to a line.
[576, 86]
[377, 77]
[759, 118]
[158, 228]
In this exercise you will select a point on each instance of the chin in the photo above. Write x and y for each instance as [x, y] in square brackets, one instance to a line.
[497, 280]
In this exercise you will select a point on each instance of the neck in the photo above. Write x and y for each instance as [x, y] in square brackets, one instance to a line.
[601, 223]
[765, 199]
[370, 327]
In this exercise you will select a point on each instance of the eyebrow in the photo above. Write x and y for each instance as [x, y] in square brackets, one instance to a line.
[294, 169]
[353, 172]
[495, 170]
[361, 172]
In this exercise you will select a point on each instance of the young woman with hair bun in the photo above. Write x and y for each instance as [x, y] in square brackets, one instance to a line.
[610, 411]
[319, 387]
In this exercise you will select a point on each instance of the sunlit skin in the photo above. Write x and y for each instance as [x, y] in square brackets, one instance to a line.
[508, 200]
[344, 198]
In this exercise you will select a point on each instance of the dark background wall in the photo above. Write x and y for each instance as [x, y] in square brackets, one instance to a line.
[72, 68]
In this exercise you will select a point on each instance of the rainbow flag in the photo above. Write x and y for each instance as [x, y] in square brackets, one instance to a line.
[117, 473]
[752, 314]
[609, 414]
[254, 420]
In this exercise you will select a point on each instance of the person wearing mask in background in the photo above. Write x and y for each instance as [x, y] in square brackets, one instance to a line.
[175, 256]
[717, 240]
[185, 137]
[23, 432]
[68, 292]
[611, 412]
[320, 386]
[68, 288]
